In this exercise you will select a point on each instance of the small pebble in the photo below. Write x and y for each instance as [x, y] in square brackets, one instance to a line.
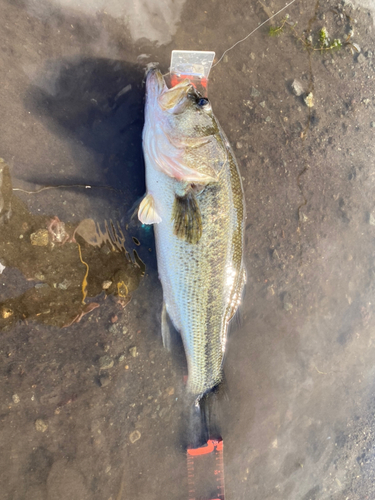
[39, 238]
[275, 254]
[64, 285]
[106, 284]
[297, 88]
[105, 362]
[263, 104]
[133, 351]
[16, 398]
[134, 436]
[371, 220]
[254, 92]
[5, 312]
[372, 124]
[356, 47]
[41, 425]
[309, 100]
[104, 380]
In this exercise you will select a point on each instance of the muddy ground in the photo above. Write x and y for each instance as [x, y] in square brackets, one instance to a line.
[94, 410]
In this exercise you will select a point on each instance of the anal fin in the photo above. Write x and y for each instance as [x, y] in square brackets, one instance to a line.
[165, 329]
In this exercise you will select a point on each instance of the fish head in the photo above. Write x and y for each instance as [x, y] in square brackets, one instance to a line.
[187, 143]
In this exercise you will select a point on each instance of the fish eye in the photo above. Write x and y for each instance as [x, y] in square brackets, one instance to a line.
[202, 102]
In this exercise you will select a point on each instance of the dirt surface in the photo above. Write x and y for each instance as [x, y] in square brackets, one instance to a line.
[94, 410]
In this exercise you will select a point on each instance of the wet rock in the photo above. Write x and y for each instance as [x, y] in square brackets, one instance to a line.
[6, 312]
[371, 219]
[297, 88]
[309, 100]
[356, 47]
[134, 436]
[113, 329]
[104, 380]
[105, 362]
[288, 306]
[275, 254]
[16, 399]
[41, 425]
[39, 238]
[133, 351]
[254, 92]
[64, 285]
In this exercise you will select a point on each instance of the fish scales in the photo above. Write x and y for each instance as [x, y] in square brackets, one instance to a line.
[202, 280]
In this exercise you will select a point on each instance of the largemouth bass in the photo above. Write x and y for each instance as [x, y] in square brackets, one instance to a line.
[195, 201]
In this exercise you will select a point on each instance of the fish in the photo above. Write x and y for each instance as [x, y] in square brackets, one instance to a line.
[195, 201]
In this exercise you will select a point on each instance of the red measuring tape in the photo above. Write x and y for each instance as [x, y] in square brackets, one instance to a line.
[205, 467]
[199, 83]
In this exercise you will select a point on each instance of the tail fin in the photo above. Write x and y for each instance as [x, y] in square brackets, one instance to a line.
[203, 419]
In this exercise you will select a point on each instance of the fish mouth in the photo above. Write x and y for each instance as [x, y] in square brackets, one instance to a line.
[172, 100]
[155, 83]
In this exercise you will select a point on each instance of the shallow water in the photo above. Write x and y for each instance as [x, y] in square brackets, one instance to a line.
[79, 385]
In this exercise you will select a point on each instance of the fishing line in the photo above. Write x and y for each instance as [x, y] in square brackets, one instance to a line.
[66, 186]
[254, 30]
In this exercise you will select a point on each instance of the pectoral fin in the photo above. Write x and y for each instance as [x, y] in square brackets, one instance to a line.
[147, 213]
[186, 217]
